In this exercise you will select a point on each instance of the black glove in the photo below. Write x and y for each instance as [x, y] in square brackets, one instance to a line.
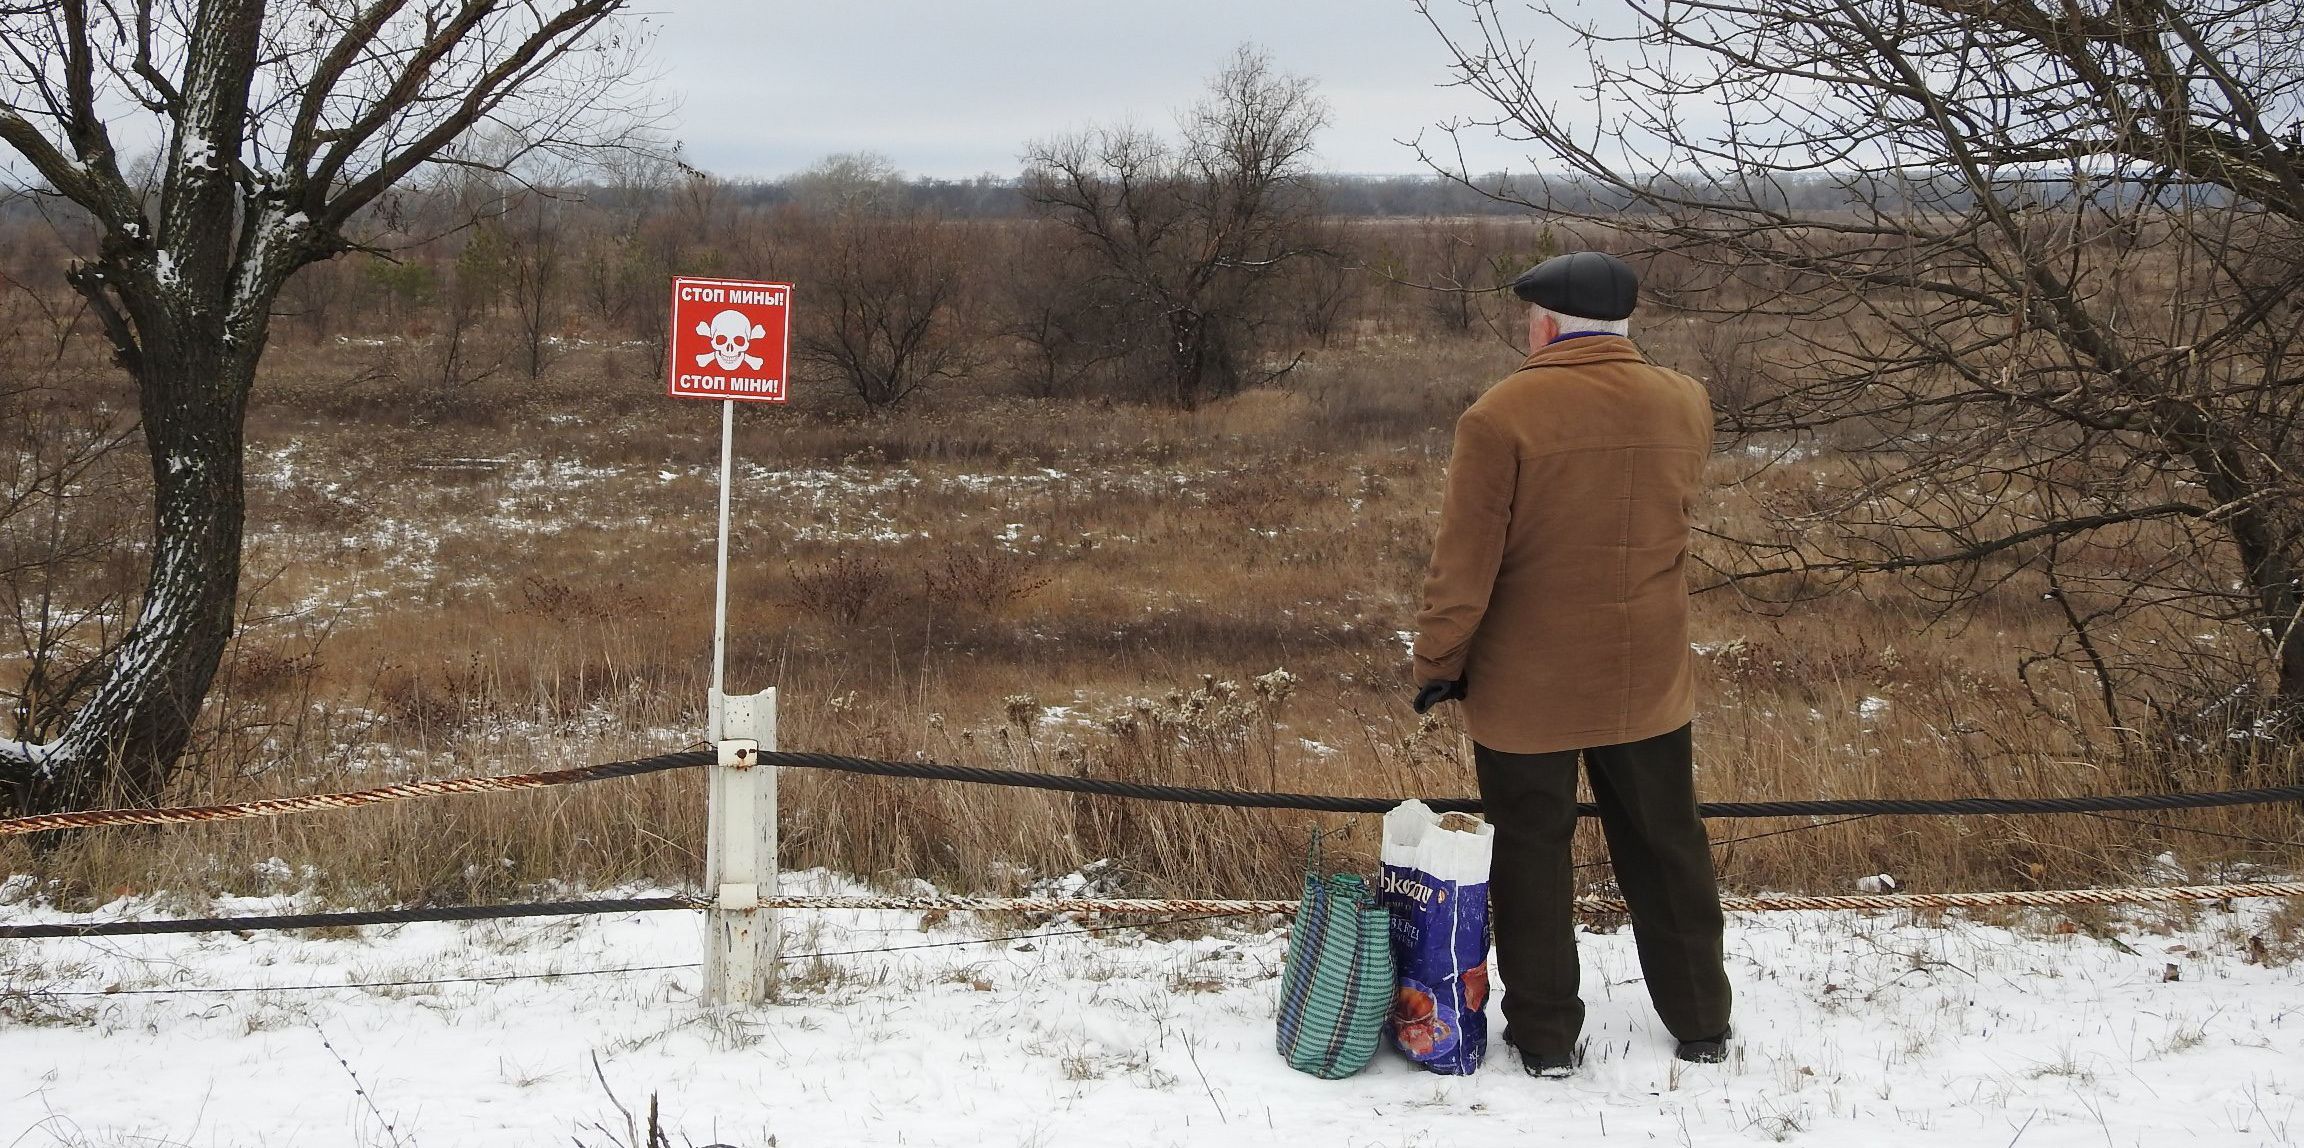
[1433, 693]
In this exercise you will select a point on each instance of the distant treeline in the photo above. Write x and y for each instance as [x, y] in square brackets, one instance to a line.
[1342, 196]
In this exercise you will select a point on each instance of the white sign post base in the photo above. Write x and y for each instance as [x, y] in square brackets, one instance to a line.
[740, 854]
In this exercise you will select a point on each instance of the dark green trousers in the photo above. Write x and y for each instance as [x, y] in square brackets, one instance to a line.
[1647, 796]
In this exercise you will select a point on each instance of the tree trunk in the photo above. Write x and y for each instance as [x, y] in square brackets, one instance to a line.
[2277, 587]
[2267, 553]
[1187, 356]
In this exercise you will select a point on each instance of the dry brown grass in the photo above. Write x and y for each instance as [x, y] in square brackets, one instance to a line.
[508, 579]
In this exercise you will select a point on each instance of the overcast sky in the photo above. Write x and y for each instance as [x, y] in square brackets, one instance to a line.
[955, 88]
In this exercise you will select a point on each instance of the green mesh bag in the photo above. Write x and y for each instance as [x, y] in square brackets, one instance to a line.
[1338, 985]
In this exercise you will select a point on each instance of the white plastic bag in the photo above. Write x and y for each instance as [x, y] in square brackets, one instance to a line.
[1435, 882]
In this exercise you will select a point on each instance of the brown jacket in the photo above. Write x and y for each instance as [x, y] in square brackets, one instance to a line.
[1557, 589]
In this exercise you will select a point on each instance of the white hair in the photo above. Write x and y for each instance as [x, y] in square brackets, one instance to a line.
[1570, 324]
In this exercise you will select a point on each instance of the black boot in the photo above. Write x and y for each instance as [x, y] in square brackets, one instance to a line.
[1549, 1065]
[1709, 1050]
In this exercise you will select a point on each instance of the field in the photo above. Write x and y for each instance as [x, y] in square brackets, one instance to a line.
[488, 574]
[517, 575]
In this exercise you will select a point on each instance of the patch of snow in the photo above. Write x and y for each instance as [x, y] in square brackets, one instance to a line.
[980, 483]
[1872, 707]
[2166, 869]
[1852, 1029]
[1778, 452]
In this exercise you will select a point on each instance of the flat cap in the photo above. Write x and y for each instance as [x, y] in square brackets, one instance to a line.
[1586, 284]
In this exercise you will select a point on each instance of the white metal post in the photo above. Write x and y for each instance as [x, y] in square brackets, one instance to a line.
[740, 844]
[714, 712]
[740, 858]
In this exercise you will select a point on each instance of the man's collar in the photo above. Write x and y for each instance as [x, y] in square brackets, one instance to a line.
[1577, 335]
[1573, 351]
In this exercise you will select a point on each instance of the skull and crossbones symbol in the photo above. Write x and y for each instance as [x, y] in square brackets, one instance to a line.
[732, 335]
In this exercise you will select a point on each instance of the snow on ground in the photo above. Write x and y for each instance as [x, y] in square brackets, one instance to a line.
[1855, 1029]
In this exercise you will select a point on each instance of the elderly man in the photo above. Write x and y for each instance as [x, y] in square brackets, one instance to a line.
[1556, 609]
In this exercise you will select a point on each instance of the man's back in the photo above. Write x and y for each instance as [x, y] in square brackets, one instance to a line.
[1556, 609]
[1557, 590]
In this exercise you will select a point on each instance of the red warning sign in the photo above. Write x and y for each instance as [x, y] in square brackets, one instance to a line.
[731, 339]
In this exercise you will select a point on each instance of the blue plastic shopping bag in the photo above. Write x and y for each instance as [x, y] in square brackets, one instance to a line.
[1435, 882]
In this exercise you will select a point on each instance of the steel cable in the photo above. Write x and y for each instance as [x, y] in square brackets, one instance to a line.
[1318, 803]
[1147, 906]
[311, 803]
[1190, 795]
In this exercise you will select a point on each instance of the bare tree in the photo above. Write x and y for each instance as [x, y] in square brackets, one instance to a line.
[886, 284]
[1067, 322]
[1458, 266]
[1195, 229]
[611, 271]
[68, 510]
[1454, 270]
[847, 181]
[885, 299]
[2030, 266]
[536, 264]
[469, 293]
[276, 125]
[1323, 289]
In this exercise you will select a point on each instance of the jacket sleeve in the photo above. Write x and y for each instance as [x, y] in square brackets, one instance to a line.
[1483, 473]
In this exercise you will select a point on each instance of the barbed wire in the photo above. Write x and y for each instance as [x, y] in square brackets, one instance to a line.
[496, 978]
[1760, 903]
[182, 990]
[2249, 838]
[310, 803]
[346, 918]
[1139, 906]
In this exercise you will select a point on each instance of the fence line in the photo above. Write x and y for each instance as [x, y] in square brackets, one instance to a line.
[1594, 906]
[1317, 803]
[740, 948]
[313, 803]
[500, 978]
[781, 958]
[1135, 906]
[1243, 799]
[352, 917]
